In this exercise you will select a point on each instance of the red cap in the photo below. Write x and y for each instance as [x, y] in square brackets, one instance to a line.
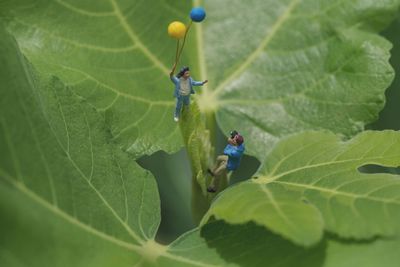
[239, 139]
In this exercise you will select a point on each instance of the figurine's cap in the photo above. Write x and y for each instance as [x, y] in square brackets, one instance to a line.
[239, 139]
[182, 71]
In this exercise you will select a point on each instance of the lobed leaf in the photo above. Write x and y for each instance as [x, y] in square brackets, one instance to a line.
[250, 245]
[319, 170]
[293, 65]
[68, 197]
[59, 172]
[115, 54]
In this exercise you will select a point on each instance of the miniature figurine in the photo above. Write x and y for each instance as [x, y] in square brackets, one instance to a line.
[229, 161]
[183, 82]
[183, 88]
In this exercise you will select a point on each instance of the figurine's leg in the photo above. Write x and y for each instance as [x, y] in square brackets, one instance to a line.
[178, 107]
[218, 171]
[221, 160]
[221, 167]
[212, 187]
[186, 102]
[222, 171]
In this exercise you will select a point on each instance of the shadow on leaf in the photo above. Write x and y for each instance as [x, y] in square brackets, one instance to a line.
[252, 245]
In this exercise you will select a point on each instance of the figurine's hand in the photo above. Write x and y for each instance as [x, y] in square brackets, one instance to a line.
[173, 70]
[231, 141]
[206, 81]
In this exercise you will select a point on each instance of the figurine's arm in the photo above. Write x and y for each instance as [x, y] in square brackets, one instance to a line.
[226, 150]
[233, 152]
[173, 78]
[229, 150]
[198, 83]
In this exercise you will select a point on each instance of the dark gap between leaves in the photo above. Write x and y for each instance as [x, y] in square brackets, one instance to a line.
[376, 169]
[388, 116]
[173, 175]
[355, 241]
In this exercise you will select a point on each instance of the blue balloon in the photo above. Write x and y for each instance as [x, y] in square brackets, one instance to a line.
[197, 14]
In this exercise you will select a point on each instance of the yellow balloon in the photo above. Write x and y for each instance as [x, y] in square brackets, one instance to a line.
[176, 29]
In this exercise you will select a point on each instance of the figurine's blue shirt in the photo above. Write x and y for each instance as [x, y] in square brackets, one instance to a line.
[177, 83]
[234, 154]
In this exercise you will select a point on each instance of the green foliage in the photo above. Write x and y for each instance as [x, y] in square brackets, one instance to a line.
[316, 168]
[85, 93]
[108, 62]
[295, 65]
[64, 186]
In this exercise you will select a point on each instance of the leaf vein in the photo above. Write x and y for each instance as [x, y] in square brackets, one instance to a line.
[335, 192]
[129, 96]
[135, 39]
[76, 43]
[82, 11]
[32, 195]
[263, 45]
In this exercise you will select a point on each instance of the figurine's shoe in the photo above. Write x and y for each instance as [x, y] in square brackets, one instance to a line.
[176, 119]
[211, 189]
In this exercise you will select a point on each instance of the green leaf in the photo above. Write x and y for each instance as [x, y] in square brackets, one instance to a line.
[273, 207]
[197, 142]
[317, 169]
[293, 65]
[58, 169]
[249, 245]
[289, 65]
[200, 151]
[116, 54]
[342, 253]
[63, 185]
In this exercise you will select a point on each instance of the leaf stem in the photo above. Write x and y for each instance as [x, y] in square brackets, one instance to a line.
[211, 126]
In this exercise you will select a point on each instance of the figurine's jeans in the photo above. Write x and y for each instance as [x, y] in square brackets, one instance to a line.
[181, 100]
[219, 169]
[220, 165]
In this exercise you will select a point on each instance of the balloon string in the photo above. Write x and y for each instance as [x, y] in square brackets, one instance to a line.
[176, 56]
[178, 52]
[183, 44]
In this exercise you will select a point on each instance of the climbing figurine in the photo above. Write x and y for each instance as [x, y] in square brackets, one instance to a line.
[183, 89]
[229, 161]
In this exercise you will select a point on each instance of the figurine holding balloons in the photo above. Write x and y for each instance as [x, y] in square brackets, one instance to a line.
[183, 82]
